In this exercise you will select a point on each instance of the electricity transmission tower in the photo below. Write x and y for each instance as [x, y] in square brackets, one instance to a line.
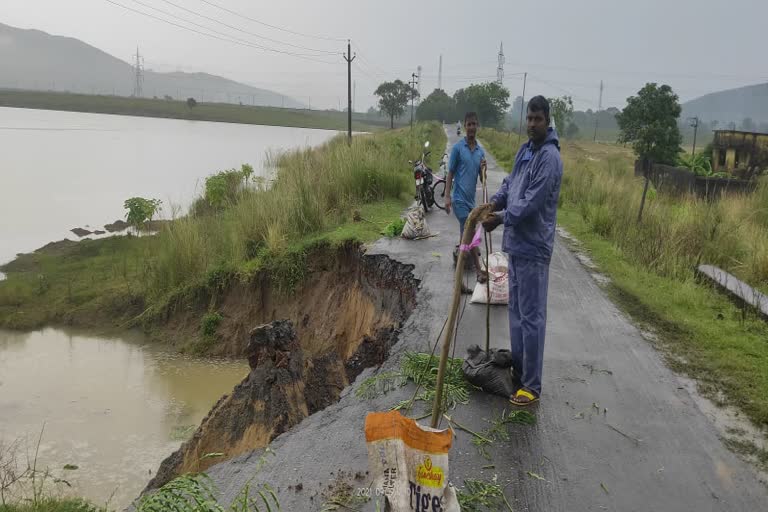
[500, 68]
[138, 86]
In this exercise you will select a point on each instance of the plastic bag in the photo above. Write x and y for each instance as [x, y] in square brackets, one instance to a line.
[409, 464]
[490, 371]
[415, 224]
[498, 274]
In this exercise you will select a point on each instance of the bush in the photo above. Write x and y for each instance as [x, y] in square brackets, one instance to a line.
[210, 323]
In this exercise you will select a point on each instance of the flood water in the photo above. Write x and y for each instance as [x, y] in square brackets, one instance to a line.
[114, 407]
[62, 170]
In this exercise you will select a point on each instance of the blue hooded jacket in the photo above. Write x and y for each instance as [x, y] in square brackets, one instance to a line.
[529, 197]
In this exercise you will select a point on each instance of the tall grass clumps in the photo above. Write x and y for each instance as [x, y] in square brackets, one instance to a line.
[676, 233]
[311, 190]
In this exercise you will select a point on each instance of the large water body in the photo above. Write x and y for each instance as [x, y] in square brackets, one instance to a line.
[62, 170]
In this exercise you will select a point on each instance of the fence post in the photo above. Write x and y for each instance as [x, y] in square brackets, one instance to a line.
[647, 165]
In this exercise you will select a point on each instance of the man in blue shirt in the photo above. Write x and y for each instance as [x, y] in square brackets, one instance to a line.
[467, 163]
[526, 204]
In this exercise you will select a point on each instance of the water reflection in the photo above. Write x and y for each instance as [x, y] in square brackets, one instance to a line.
[113, 407]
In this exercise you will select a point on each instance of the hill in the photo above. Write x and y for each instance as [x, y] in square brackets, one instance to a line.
[731, 106]
[35, 60]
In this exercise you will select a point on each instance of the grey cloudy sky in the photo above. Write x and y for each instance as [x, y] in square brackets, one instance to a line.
[566, 46]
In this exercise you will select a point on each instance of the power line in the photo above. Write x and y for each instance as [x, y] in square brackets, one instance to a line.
[272, 26]
[245, 41]
[246, 31]
[232, 41]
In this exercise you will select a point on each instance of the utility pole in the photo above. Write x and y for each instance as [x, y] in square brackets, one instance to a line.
[695, 123]
[413, 83]
[522, 109]
[349, 58]
[440, 73]
[599, 108]
[138, 85]
[500, 68]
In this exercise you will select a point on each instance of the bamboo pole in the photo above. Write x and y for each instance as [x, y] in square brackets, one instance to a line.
[478, 214]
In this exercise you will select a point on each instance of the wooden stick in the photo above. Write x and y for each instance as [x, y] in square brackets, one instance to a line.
[469, 233]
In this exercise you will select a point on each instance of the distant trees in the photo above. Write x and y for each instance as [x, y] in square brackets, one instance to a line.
[191, 103]
[394, 97]
[489, 100]
[748, 125]
[649, 123]
[438, 106]
[561, 110]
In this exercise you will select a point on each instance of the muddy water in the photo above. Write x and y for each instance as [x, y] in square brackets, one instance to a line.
[62, 170]
[114, 407]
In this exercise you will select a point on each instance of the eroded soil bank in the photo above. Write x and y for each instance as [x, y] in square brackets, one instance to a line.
[303, 348]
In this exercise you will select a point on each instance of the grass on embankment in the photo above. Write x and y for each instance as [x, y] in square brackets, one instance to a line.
[107, 282]
[651, 265]
[53, 505]
[174, 109]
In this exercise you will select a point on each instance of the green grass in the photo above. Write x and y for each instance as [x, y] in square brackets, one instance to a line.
[222, 112]
[313, 202]
[503, 146]
[53, 505]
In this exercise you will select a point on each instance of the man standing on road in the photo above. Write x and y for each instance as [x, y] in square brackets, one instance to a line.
[526, 204]
[467, 163]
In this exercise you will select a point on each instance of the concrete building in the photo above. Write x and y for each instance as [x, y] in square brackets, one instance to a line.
[745, 153]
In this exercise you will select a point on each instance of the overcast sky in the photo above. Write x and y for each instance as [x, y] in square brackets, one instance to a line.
[566, 46]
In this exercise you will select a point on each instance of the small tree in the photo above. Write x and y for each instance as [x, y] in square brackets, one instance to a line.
[140, 211]
[191, 103]
[561, 110]
[649, 123]
[394, 97]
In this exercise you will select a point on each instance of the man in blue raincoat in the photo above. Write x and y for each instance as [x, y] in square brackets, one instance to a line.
[526, 204]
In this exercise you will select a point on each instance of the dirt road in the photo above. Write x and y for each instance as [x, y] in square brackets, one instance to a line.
[616, 430]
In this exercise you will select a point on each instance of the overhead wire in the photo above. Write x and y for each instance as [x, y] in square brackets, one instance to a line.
[233, 27]
[235, 38]
[254, 20]
[212, 36]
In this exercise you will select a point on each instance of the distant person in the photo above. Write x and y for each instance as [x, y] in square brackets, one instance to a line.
[466, 164]
[458, 127]
[526, 204]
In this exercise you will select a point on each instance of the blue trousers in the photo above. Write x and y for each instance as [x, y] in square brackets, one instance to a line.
[528, 283]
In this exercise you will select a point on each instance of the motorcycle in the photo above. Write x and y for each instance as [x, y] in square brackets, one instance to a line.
[423, 176]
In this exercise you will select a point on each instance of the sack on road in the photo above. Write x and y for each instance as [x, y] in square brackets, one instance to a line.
[409, 464]
[498, 275]
[490, 371]
[415, 224]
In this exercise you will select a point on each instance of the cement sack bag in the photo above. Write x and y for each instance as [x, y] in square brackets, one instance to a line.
[415, 224]
[409, 464]
[490, 371]
[498, 275]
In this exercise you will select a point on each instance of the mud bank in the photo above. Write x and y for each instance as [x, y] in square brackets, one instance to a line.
[303, 351]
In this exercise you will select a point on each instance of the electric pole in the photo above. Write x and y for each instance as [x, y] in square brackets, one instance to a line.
[139, 78]
[695, 124]
[413, 83]
[440, 73]
[349, 58]
[522, 108]
[500, 68]
[599, 108]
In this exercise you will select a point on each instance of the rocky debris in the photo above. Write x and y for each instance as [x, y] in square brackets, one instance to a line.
[81, 232]
[118, 225]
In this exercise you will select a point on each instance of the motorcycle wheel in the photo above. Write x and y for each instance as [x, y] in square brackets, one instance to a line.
[438, 194]
[424, 199]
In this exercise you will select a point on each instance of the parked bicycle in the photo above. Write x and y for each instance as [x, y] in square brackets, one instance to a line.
[430, 188]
